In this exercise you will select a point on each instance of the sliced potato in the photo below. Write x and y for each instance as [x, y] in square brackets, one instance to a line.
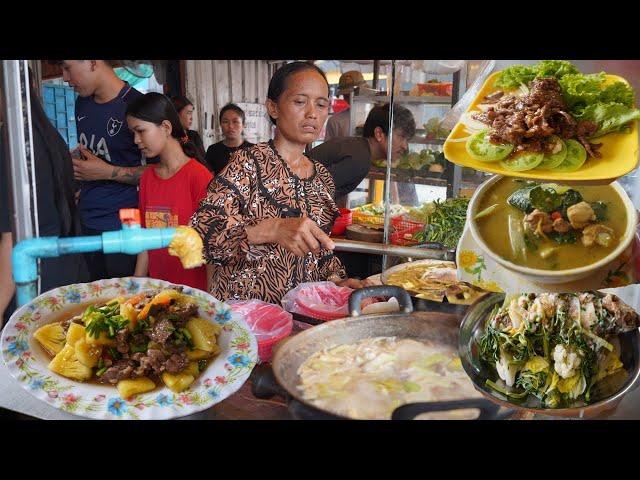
[67, 364]
[51, 337]
[192, 369]
[127, 311]
[76, 332]
[102, 339]
[177, 382]
[203, 333]
[87, 353]
[130, 387]
[199, 354]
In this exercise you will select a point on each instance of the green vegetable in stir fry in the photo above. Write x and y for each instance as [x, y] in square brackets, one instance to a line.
[552, 345]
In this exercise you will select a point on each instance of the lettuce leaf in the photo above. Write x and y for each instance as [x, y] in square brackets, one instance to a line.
[581, 90]
[555, 68]
[610, 117]
[618, 92]
[515, 75]
[511, 77]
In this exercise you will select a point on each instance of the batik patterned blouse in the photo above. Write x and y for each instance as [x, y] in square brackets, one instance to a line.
[256, 185]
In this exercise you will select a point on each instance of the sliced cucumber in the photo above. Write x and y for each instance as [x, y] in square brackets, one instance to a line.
[522, 162]
[576, 156]
[552, 160]
[480, 148]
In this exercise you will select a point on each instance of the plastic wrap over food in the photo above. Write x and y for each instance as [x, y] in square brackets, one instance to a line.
[268, 322]
[320, 300]
[439, 67]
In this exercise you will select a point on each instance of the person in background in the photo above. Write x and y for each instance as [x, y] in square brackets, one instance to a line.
[185, 108]
[267, 215]
[111, 165]
[171, 190]
[348, 159]
[338, 124]
[232, 125]
[57, 211]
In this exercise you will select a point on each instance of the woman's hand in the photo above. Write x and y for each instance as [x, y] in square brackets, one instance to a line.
[355, 283]
[298, 235]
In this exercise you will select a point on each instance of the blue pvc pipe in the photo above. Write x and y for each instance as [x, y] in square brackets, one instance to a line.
[131, 240]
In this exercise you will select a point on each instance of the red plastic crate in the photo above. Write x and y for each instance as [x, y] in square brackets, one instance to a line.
[402, 226]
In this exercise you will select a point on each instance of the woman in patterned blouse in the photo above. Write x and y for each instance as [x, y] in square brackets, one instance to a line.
[267, 216]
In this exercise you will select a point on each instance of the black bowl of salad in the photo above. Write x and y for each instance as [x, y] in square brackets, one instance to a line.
[559, 354]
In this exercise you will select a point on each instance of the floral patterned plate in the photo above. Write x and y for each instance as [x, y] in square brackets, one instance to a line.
[27, 362]
[477, 268]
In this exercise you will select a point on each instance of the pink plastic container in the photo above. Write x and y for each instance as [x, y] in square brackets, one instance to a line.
[269, 323]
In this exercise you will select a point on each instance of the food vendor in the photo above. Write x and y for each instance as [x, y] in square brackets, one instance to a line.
[266, 219]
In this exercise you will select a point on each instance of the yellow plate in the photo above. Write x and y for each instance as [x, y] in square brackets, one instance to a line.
[619, 151]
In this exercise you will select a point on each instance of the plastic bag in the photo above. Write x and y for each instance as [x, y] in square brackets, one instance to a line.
[439, 67]
[453, 115]
[319, 300]
[268, 322]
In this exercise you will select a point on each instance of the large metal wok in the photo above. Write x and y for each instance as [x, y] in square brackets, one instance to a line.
[282, 377]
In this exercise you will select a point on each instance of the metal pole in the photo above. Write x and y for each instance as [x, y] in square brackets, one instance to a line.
[199, 92]
[454, 178]
[230, 82]
[376, 68]
[387, 193]
[257, 82]
[214, 115]
[22, 166]
[244, 94]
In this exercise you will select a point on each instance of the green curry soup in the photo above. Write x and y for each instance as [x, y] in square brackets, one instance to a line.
[505, 232]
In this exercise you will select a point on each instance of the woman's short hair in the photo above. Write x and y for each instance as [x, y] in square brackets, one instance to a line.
[233, 107]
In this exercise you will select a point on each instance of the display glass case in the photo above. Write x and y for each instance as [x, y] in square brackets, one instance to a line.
[413, 197]
[409, 179]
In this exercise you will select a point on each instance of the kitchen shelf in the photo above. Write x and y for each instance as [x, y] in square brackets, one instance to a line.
[407, 175]
[403, 99]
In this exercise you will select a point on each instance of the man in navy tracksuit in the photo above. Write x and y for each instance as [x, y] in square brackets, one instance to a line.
[111, 163]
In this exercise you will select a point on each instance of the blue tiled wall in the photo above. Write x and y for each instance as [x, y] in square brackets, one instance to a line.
[59, 105]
